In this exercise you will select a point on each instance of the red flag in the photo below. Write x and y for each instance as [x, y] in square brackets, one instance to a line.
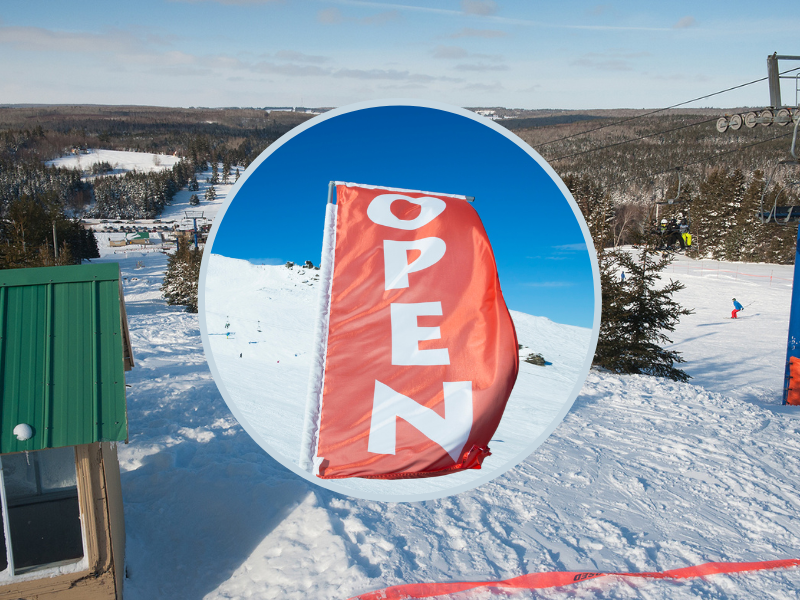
[419, 352]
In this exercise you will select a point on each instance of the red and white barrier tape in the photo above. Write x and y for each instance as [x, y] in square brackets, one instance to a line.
[536, 581]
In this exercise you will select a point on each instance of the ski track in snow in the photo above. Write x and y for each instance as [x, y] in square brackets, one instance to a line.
[644, 474]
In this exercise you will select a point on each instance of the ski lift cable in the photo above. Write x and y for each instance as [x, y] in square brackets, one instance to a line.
[644, 137]
[730, 89]
[773, 213]
[707, 158]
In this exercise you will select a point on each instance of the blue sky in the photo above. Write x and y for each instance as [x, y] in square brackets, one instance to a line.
[522, 54]
[542, 260]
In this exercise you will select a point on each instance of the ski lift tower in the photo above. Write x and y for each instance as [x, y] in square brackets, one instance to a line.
[777, 212]
[194, 215]
[779, 114]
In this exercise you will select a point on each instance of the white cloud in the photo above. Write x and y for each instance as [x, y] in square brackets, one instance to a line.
[44, 40]
[292, 70]
[579, 247]
[599, 9]
[468, 32]
[293, 56]
[449, 52]
[388, 16]
[390, 74]
[480, 67]
[482, 8]
[233, 2]
[684, 23]
[550, 284]
[330, 16]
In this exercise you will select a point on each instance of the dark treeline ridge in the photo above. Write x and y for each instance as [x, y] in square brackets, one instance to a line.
[532, 122]
[617, 182]
[641, 171]
[722, 179]
[39, 205]
[239, 132]
[35, 198]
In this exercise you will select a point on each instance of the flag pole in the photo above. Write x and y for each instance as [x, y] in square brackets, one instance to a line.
[309, 440]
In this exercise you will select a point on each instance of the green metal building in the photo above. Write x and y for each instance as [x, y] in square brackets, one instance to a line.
[64, 343]
[64, 350]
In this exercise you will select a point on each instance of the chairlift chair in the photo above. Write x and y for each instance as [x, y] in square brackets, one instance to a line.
[675, 200]
[783, 214]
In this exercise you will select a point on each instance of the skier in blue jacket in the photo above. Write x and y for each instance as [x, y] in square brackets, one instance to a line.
[736, 308]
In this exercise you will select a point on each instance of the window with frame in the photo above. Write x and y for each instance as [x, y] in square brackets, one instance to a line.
[40, 510]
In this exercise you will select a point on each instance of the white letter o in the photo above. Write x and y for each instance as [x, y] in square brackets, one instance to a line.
[379, 211]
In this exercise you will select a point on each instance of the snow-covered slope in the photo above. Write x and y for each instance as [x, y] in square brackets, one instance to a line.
[122, 161]
[176, 210]
[742, 358]
[642, 474]
[260, 324]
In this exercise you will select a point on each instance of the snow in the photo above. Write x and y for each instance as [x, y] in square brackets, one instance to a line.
[714, 345]
[121, 160]
[176, 210]
[260, 321]
[643, 474]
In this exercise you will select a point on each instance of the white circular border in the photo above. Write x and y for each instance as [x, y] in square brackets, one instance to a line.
[329, 483]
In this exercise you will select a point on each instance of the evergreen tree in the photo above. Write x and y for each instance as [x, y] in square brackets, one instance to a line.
[595, 204]
[180, 280]
[214, 174]
[26, 236]
[237, 173]
[637, 315]
[211, 194]
[742, 240]
[226, 170]
[193, 185]
[194, 200]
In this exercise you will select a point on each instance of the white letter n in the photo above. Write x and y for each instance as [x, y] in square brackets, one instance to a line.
[450, 432]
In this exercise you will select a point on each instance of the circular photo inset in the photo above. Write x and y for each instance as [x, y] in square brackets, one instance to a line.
[399, 300]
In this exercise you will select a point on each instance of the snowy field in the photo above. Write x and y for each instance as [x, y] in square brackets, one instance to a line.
[260, 321]
[180, 203]
[122, 161]
[642, 475]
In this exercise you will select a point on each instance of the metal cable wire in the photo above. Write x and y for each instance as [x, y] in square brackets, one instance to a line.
[649, 135]
[735, 87]
[706, 158]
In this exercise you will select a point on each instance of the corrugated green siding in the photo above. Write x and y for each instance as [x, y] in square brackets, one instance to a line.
[61, 356]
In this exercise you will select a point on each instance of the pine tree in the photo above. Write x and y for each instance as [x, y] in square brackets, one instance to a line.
[637, 315]
[742, 240]
[237, 173]
[211, 194]
[194, 200]
[180, 281]
[193, 185]
[26, 236]
[214, 174]
[595, 204]
[226, 170]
